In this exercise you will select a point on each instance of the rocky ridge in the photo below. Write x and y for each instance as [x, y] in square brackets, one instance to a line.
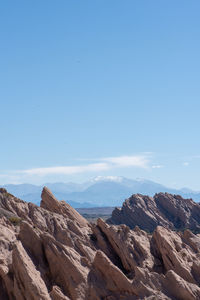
[51, 252]
[164, 209]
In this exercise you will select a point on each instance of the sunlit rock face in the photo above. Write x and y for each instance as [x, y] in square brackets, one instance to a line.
[51, 252]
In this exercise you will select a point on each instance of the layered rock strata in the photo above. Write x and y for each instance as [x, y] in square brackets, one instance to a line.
[51, 252]
[171, 211]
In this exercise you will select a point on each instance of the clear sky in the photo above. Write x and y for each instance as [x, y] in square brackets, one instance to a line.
[100, 88]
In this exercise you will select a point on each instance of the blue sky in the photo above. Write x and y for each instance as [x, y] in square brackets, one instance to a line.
[100, 88]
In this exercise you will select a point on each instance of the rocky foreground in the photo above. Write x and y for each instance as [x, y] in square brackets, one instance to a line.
[51, 252]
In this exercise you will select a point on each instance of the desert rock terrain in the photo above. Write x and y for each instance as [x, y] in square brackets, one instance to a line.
[52, 252]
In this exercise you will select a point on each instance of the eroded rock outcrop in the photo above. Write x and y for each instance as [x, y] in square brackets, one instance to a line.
[171, 211]
[51, 252]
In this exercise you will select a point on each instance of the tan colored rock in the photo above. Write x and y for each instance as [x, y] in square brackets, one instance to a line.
[179, 288]
[192, 240]
[149, 285]
[115, 279]
[7, 240]
[50, 203]
[14, 205]
[106, 279]
[132, 247]
[56, 294]
[28, 283]
[176, 256]
[66, 268]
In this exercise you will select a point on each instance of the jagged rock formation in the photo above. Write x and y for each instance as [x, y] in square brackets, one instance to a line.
[51, 252]
[171, 211]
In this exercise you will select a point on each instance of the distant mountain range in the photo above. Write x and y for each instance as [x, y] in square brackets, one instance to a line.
[98, 192]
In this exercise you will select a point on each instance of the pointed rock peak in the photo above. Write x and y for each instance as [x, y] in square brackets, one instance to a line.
[48, 192]
[49, 201]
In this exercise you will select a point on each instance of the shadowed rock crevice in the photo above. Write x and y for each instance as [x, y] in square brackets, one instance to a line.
[3, 291]
[113, 256]
[158, 266]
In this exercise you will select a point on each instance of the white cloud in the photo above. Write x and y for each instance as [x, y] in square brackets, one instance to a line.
[66, 170]
[186, 163]
[157, 166]
[107, 163]
[108, 178]
[102, 164]
[128, 161]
